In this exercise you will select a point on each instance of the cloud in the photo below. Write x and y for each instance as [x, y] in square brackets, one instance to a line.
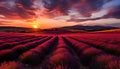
[111, 4]
[113, 13]
[82, 20]
[103, 22]
[17, 9]
[60, 7]
[61, 10]
[109, 9]
[54, 8]
[27, 4]
[2, 16]
[84, 7]
[99, 9]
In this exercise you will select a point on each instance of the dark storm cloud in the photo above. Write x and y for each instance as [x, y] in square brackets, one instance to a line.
[2, 0]
[25, 9]
[17, 9]
[60, 5]
[112, 8]
[85, 7]
[25, 3]
[113, 13]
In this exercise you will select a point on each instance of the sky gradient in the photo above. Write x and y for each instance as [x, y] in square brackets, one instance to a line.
[58, 13]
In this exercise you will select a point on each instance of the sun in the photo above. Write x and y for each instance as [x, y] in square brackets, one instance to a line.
[35, 26]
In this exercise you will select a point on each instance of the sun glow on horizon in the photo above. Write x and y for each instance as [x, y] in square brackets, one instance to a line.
[35, 26]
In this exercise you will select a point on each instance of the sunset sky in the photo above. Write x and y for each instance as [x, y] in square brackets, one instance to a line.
[58, 13]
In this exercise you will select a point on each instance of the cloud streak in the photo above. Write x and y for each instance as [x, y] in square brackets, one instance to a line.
[110, 9]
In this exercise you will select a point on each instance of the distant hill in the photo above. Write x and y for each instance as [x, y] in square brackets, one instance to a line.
[90, 28]
[67, 29]
[14, 29]
[79, 28]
